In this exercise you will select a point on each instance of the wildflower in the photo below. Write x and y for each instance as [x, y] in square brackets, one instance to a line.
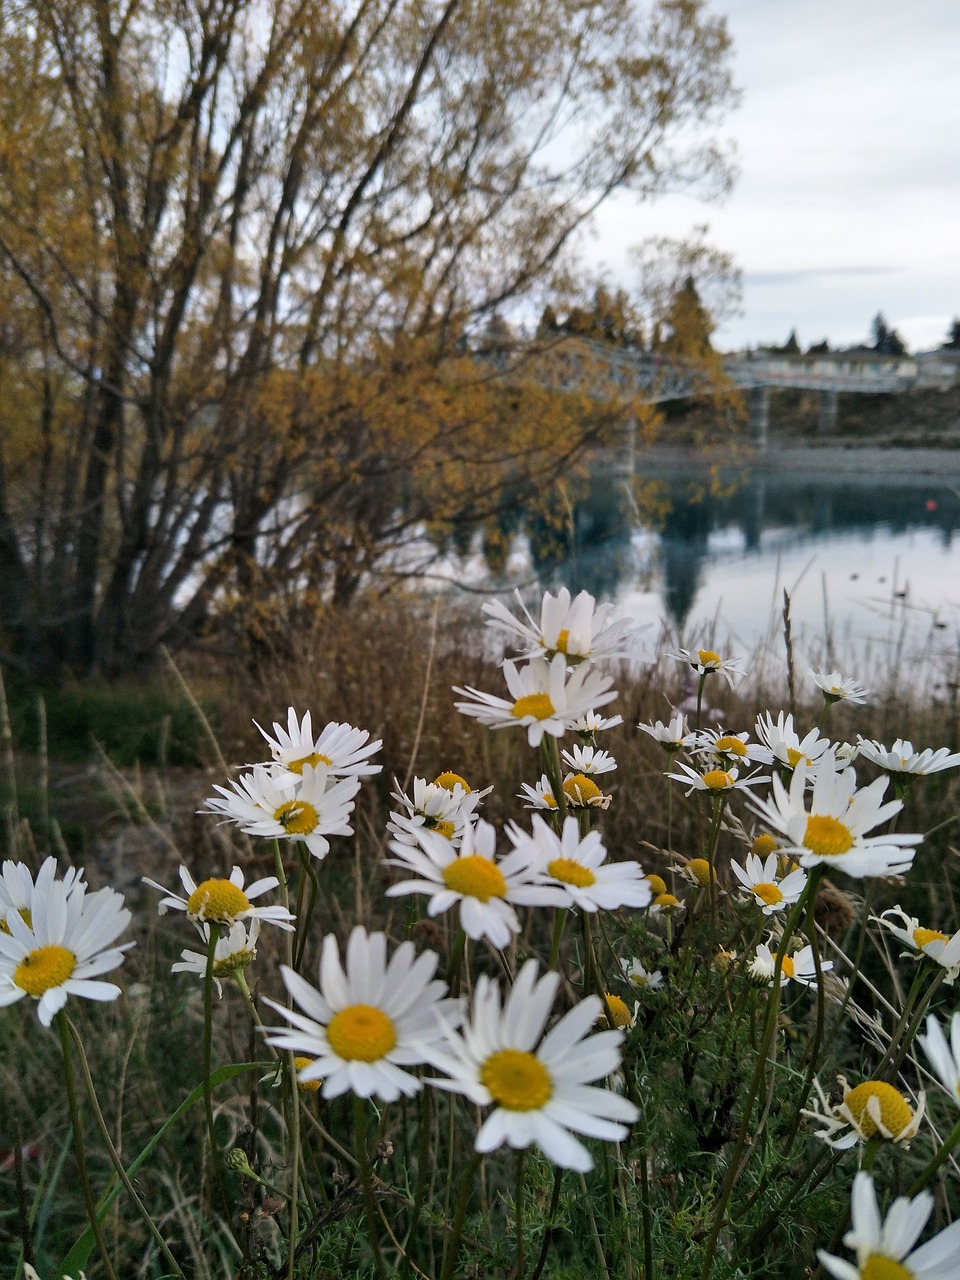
[869, 1110]
[583, 793]
[539, 796]
[367, 1021]
[590, 724]
[485, 888]
[657, 883]
[544, 699]
[344, 750]
[760, 878]
[233, 952]
[901, 757]
[786, 746]
[699, 872]
[665, 904]
[67, 945]
[943, 1057]
[671, 736]
[579, 629]
[540, 1087]
[764, 844]
[838, 688]
[723, 750]
[18, 888]
[933, 944]
[434, 807]
[717, 781]
[588, 760]
[223, 902]
[576, 865]
[800, 966]
[639, 977]
[314, 1084]
[706, 663]
[833, 831]
[882, 1248]
[261, 803]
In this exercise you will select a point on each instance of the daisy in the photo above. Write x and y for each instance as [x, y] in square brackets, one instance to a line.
[67, 945]
[800, 966]
[18, 888]
[869, 1110]
[368, 1021]
[222, 902]
[588, 760]
[833, 830]
[722, 750]
[262, 804]
[706, 663]
[699, 873]
[671, 736]
[666, 904]
[343, 749]
[717, 781]
[540, 1086]
[943, 1057]
[543, 699]
[579, 629]
[901, 757]
[590, 724]
[583, 793]
[883, 1248]
[435, 806]
[931, 943]
[785, 745]
[639, 977]
[539, 796]
[485, 888]
[838, 688]
[576, 865]
[233, 952]
[760, 878]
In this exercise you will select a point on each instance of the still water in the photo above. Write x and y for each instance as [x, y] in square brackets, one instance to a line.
[871, 564]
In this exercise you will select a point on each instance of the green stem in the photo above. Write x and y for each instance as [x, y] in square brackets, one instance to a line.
[559, 920]
[550, 754]
[924, 1176]
[452, 1244]
[518, 1197]
[549, 1228]
[207, 1067]
[366, 1182]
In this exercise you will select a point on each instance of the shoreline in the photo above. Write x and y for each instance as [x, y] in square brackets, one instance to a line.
[816, 459]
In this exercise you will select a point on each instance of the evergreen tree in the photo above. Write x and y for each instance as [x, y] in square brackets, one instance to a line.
[886, 341]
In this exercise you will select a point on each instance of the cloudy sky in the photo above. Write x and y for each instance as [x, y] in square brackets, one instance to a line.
[848, 199]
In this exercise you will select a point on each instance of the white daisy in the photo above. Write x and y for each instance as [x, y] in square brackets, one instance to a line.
[579, 629]
[933, 944]
[485, 888]
[883, 1247]
[838, 688]
[576, 864]
[760, 878]
[434, 807]
[583, 793]
[342, 748]
[539, 796]
[707, 663]
[590, 723]
[901, 757]
[723, 750]
[17, 887]
[233, 951]
[262, 804]
[541, 1088]
[544, 699]
[368, 1021]
[68, 944]
[871, 1109]
[799, 965]
[671, 736]
[832, 830]
[222, 902]
[639, 977]
[943, 1057]
[717, 781]
[785, 744]
[588, 760]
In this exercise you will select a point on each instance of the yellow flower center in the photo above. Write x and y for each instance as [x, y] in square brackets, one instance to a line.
[297, 817]
[314, 758]
[794, 757]
[448, 780]
[442, 825]
[701, 870]
[517, 1080]
[666, 901]
[617, 1009]
[475, 877]
[537, 705]
[306, 1086]
[25, 915]
[44, 968]
[571, 872]
[730, 746]
[922, 937]
[708, 658]
[657, 884]
[879, 1267]
[827, 836]
[768, 893]
[548, 800]
[218, 900]
[787, 967]
[763, 845]
[718, 780]
[361, 1033]
[895, 1112]
[563, 639]
[579, 789]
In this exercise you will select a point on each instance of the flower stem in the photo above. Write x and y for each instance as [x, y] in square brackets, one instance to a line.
[518, 1199]
[924, 1176]
[366, 1182]
[452, 1245]
[207, 1068]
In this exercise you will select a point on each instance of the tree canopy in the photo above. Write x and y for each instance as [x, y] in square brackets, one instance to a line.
[246, 249]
